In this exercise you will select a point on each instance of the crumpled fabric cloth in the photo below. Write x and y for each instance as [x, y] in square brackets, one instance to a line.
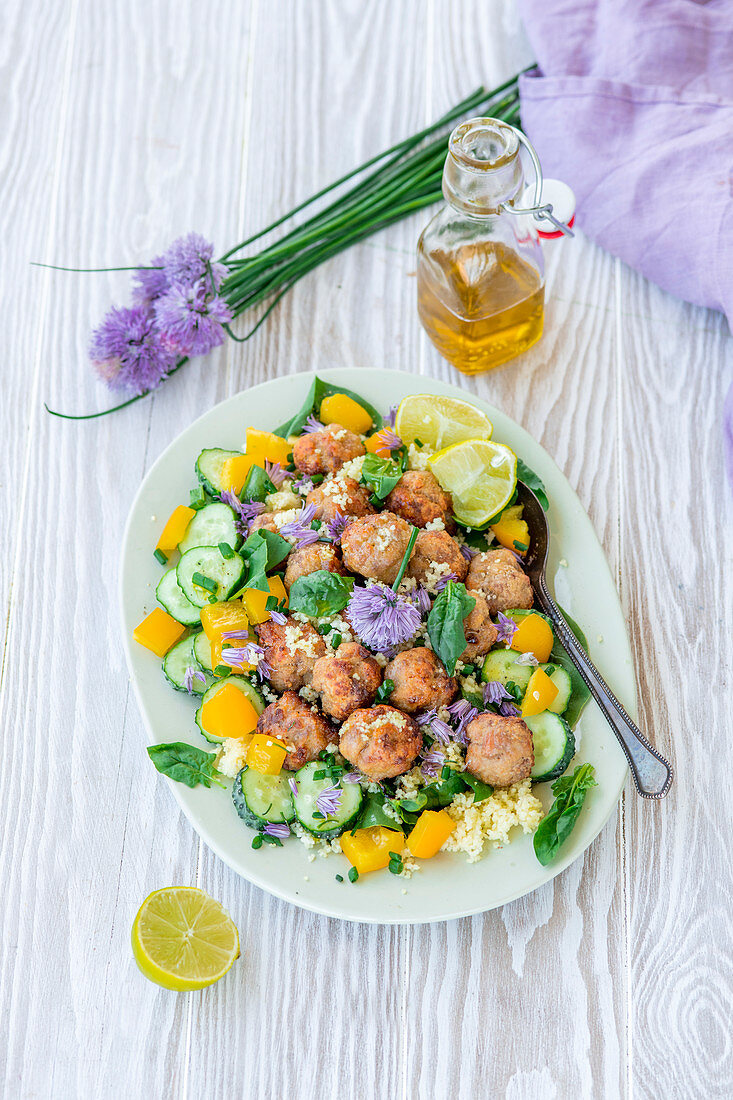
[632, 105]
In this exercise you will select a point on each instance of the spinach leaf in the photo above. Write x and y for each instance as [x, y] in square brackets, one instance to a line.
[475, 539]
[384, 690]
[186, 764]
[380, 474]
[312, 404]
[445, 623]
[533, 481]
[257, 485]
[372, 813]
[321, 593]
[554, 830]
[262, 551]
[480, 789]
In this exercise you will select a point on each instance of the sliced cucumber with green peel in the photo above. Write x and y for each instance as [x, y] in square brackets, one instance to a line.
[176, 663]
[307, 811]
[209, 468]
[243, 685]
[554, 745]
[223, 574]
[562, 681]
[262, 799]
[212, 524]
[501, 665]
[202, 652]
[170, 596]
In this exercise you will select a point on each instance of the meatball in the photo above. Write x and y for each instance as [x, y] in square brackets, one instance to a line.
[500, 577]
[381, 742]
[266, 520]
[420, 681]
[325, 452]
[309, 559]
[479, 630]
[500, 750]
[304, 732]
[339, 496]
[419, 499]
[436, 547]
[347, 680]
[291, 651]
[375, 546]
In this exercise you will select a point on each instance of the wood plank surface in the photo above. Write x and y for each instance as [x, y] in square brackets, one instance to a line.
[125, 126]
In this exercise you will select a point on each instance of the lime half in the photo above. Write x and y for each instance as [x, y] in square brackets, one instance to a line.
[480, 475]
[439, 422]
[182, 939]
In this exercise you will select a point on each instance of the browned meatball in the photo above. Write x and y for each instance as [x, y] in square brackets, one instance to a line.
[419, 499]
[432, 547]
[266, 520]
[291, 651]
[325, 452]
[339, 496]
[500, 577]
[381, 742]
[375, 546]
[347, 680]
[309, 559]
[500, 750]
[304, 732]
[479, 630]
[420, 681]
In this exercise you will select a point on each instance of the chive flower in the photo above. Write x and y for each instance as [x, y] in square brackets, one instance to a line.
[127, 352]
[337, 526]
[250, 654]
[431, 761]
[303, 485]
[421, 596]
[351, 777]
[443, 581]
[312, 424]
[441, 731]
[507, 628]
[329, 800]
[275, 473]
[468, 552]
[508, 710]
[190, 675]
[293, 786]
[246, 510]
[426, 717]
[278, 617]
[277, 829]
[391, 416]
[495, 693]
[390, 439]
[299, 530]
[191, 319]
[464, 712]
[382, 618]
[186, 261]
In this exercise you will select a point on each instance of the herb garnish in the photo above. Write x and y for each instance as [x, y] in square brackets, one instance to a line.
[445, 623]
[380, 475]
[320, 594]
[160, 556]
[186, 764]
[205, 582]
[384, 690]
[554, 830]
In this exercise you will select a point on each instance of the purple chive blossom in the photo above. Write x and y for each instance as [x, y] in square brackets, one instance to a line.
[390, 439]
[293, 787]
[127, 352]
[303, 485]
[235, 635]
[431, 761]
[336, 527]
[526, 659]
[278, 617]
[443, 581]
[381, 618]
[278, 829]
[441, 731]
[422, 600]
[329, 800]
[151, 282]
[249, 654]
[299, 529]
[465, 715]
[186, 261]
[426, 717]
[495, 693]
[468, 552]
[350, 777]
[391, 416]
[508, 710]
[191, 675]
[275, 473]
[312, 425]
[507, 628]
[191, 319]
[246, 510]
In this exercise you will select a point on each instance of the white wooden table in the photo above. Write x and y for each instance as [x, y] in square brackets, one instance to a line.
[123, 126]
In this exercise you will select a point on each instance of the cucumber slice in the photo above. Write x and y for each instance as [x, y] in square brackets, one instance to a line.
[227, 573]
[554, 745]
[212, 524]
[244, 686]
[209, 465]
[262, 799]
[202, 652]
[563, 683]
[501, 665]
[178, 660]
[171, 597]
[310, 788]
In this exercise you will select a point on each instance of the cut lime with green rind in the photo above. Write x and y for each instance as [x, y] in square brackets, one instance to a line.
[439, 422]
[182, 939]
[480, 475]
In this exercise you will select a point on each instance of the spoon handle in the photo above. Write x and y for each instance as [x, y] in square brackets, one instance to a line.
[652, 774]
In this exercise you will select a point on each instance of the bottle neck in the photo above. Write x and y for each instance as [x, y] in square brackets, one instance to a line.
[483, 168]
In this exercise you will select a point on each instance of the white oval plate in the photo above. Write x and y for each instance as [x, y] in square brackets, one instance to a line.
[446, 886]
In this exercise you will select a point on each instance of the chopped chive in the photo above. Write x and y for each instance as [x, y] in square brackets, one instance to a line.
[225, 550]
[339, 878]
[198, 498]
[395, 855]
[204, 582]
[222, 670]
[395, 868]
[316, 525]
[160, 556]
[257, 841]
[324, 628]
[521, 546]
[319, 816]
[317, 478]
[375, 501]
[418, 442]
[319, 775]
[445, 772]
[353, 874]
[335, 640]
[213, 599]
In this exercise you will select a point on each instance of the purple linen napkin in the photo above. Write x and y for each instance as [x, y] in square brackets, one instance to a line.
[632, 105]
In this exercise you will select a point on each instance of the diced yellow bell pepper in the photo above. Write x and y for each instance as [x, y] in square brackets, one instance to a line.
[511, 530]
[266, 445]
[539, 695]
[218, 619]
[341, 409]
[175, 529]
[254, 600]
[234, 471]
[368, 849]
[375, 445]
[534, 635]
[265, 754]
[158, 631]
[432, 829]
[229, 713]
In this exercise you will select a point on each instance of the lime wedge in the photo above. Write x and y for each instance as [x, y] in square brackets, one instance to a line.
[182, 939]
[439, 422]
[480, 475]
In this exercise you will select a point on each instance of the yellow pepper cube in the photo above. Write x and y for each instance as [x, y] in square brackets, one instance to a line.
[341, 409]
[158, 632]
[534, 635]
[511, 530]
[234, 471]
[540, 693]
[229, 713]
[368, 849]
[375, 445]
[265, 754]
[219, 619]
[254, 600]
[432, 829]
[175, 529]
[267, 446]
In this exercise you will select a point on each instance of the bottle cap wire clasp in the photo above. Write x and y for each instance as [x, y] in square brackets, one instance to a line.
[542, 211]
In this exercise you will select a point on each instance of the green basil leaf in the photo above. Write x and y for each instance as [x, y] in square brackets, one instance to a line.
[380, 474]
[445, 623]
[312, 404]
[372, 813]
[320, 594]
[185, 764]
[257, 485]
[262, 551]
[533, 481]
[480, 789]
[554, 830]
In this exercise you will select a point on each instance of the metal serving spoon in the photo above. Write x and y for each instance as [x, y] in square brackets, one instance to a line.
[652, 774]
